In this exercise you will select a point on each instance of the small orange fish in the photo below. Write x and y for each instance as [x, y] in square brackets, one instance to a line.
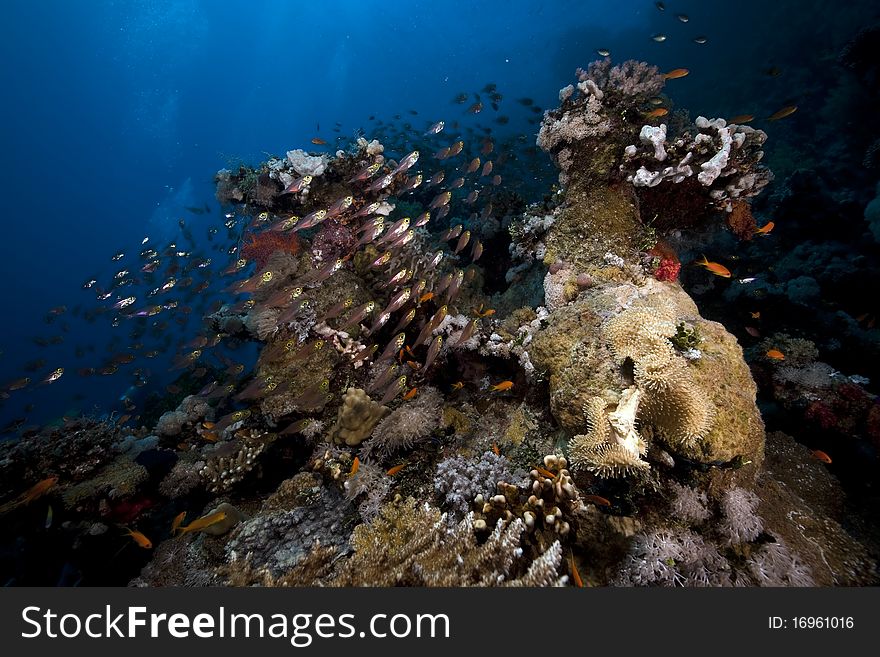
[39, 489]
[765, 229]
[317, 141]
[178, 520]
[657, 113]
[397, 468]
[427, 296]
[208, 425]
[483, 313]
[741, 118]
[210, 436]
[545, 473]
[756, 314]
[410, 394]
[714, 267]
[495, 448]
[458, 385]
[203, 522]
[501, 387]
[775, 354]
[781, 114]
[413, 364]
[822, 456]
[676, 73]
[575, 575]
[355, 466]
[139, 538]
[598, 500]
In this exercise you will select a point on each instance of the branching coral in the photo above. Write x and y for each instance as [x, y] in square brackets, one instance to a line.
[590, 111]
[410, 545]
[724, 159]
[673, 558]
[230, 462]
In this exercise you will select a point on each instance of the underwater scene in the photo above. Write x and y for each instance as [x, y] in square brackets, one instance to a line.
[349, 293]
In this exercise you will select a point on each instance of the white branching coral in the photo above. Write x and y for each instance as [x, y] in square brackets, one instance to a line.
[723, 158]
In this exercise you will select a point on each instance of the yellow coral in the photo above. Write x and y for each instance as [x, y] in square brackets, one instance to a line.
[642, 328]
[356, 418]
[673, 404]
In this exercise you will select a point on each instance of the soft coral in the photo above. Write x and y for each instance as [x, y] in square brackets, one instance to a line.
[261, 246]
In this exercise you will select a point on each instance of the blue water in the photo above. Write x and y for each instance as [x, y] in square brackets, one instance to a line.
[116, 115]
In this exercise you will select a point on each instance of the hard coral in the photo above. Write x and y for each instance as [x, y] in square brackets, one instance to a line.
[410, 545]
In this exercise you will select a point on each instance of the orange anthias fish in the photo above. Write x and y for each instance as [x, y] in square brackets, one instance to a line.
[756, 314]
[317, 141]
[765, 229]
[410, 394]
[822, 456]
[775, 354]
[714, 267]
[575, 575]
[676, 73]
[355, 466]
[203, 522]
[657, 113]
[397, 468]
[545, 473]
[781, 114]
[139, 538]
[479, 312]
[34, 492]
[495, 448]
[177, 522]
[598, 500]
[501, 387]
[741, 118]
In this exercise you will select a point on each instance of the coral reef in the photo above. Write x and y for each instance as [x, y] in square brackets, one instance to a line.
[412, 385]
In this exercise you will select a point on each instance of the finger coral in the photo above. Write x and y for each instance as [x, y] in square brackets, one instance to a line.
[356, 418]
[409, 545]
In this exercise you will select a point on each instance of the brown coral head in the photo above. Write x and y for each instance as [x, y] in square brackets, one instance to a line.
[741, 220]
